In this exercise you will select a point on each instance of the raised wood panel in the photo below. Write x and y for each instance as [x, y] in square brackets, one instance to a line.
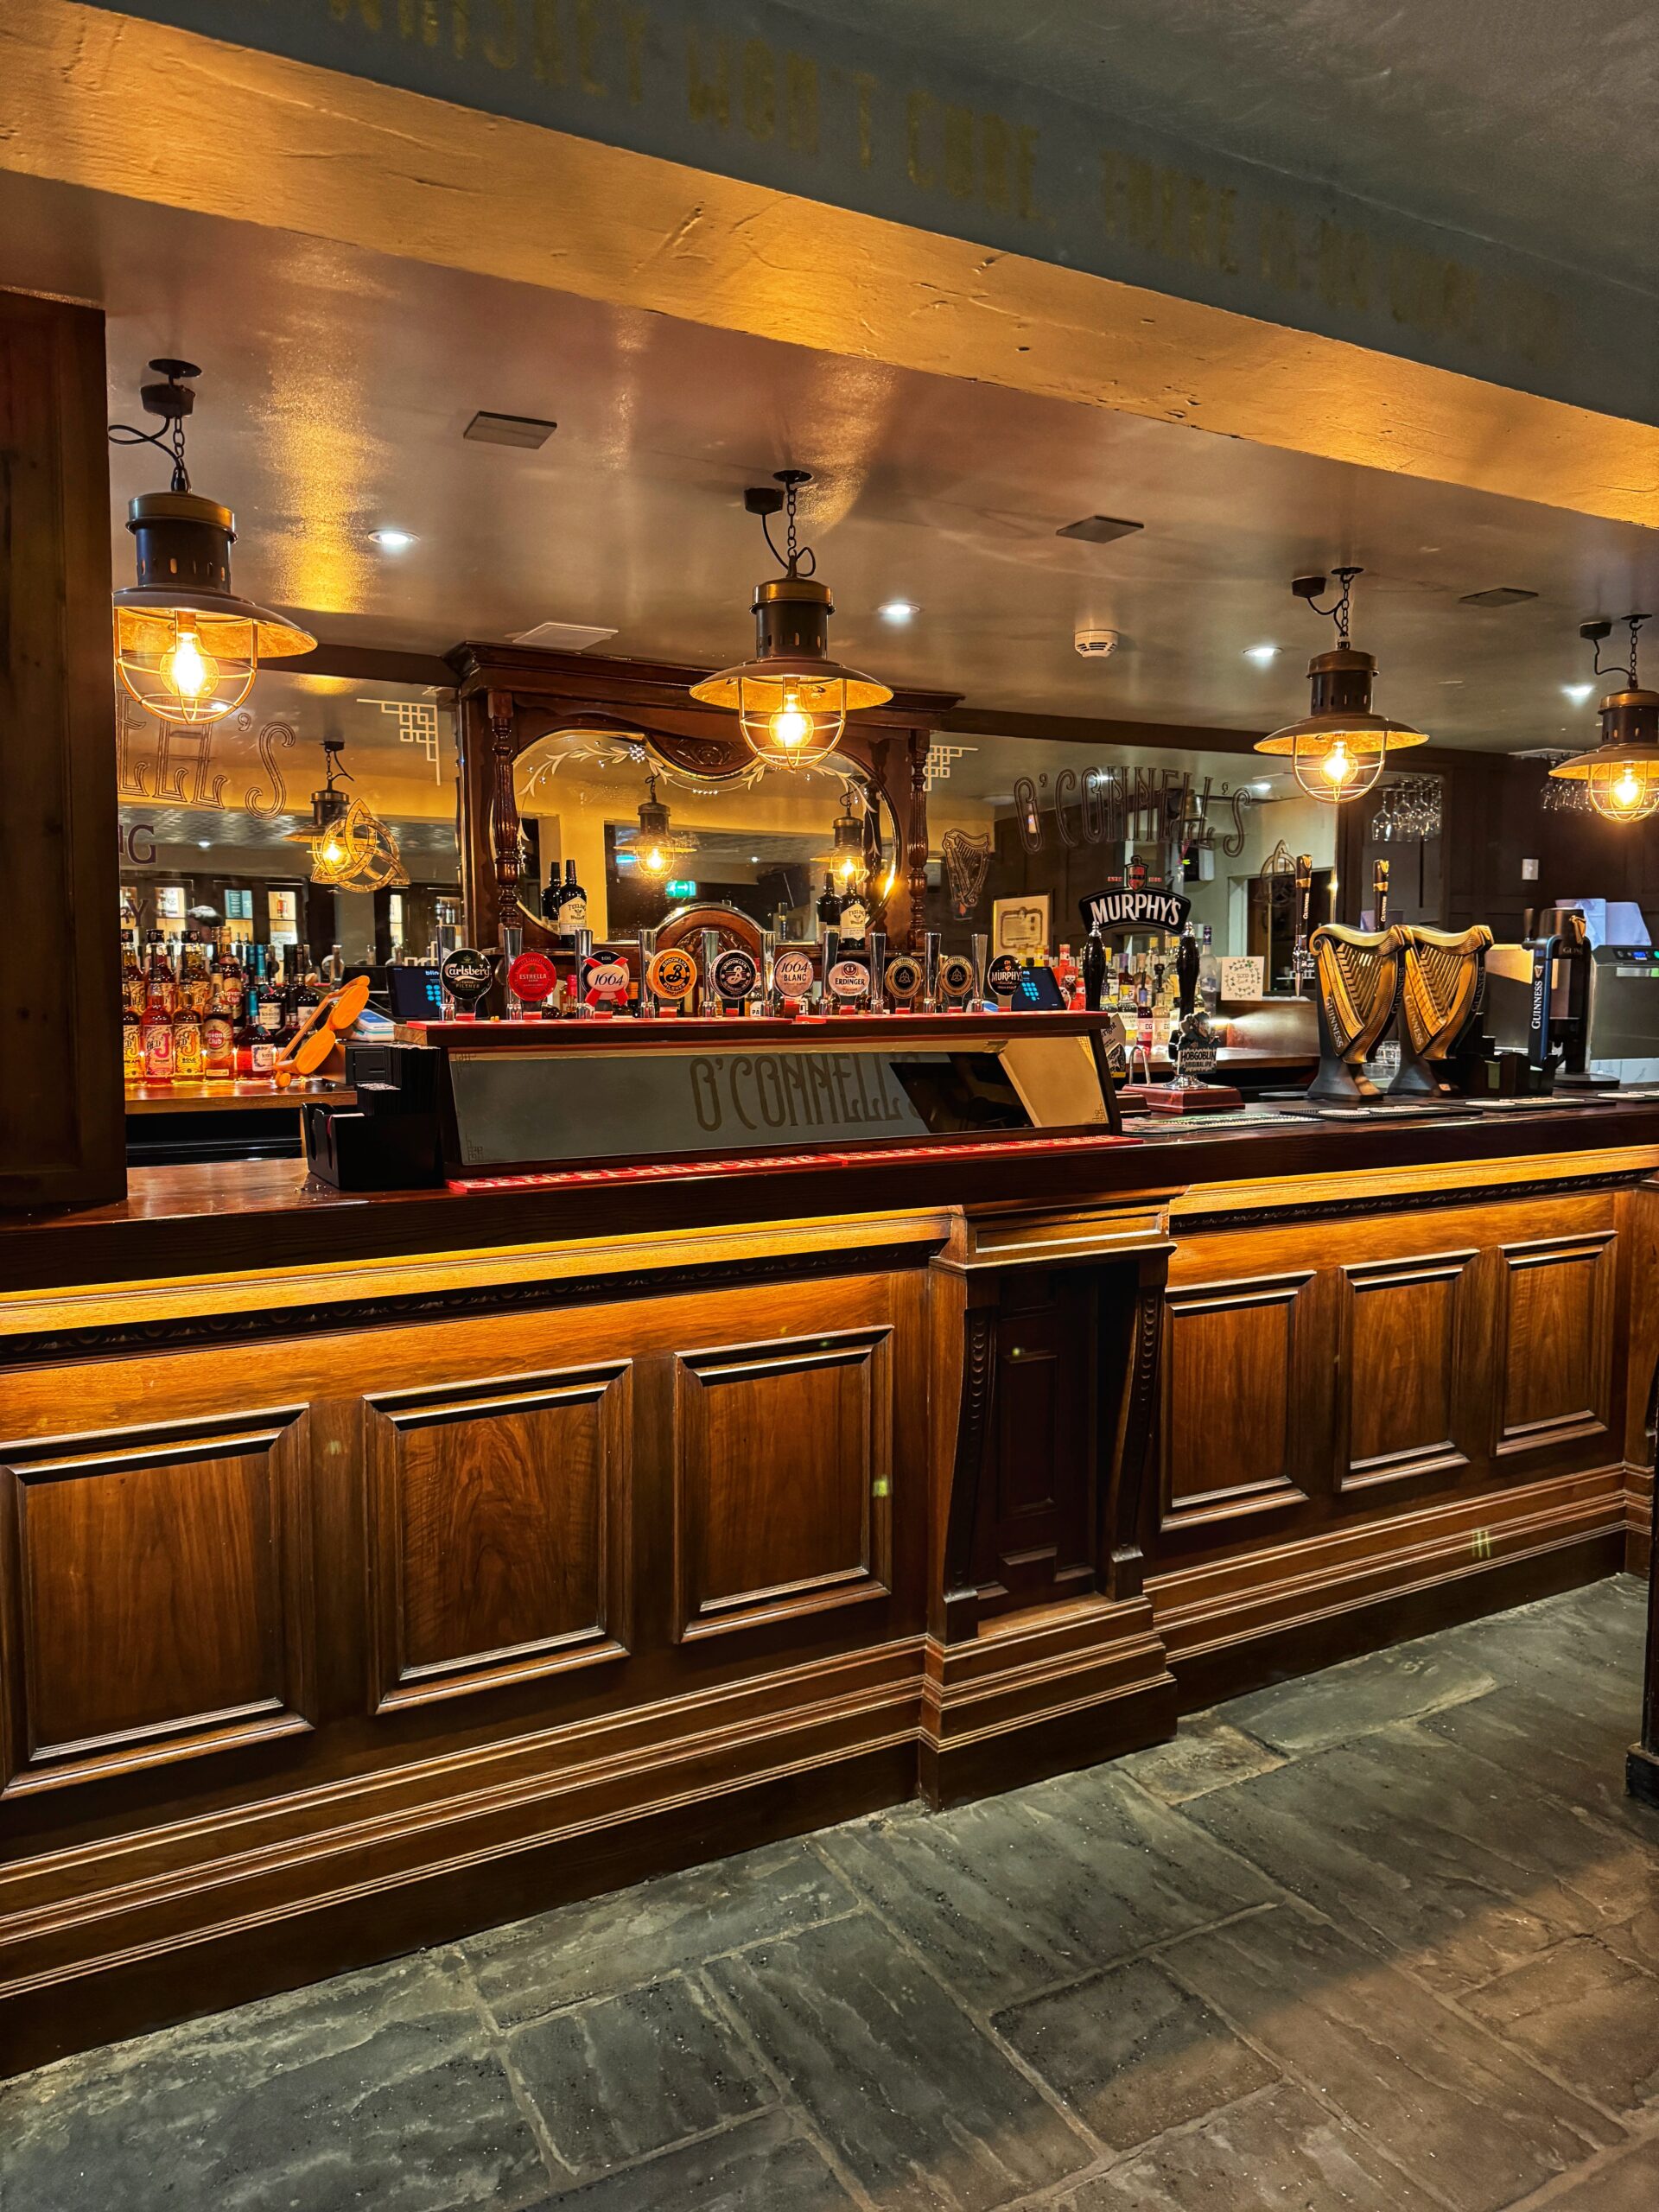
[1556, 1372]
[1404, 1391]
[1231, 1408]
[498, 1543]
[157, 1594]
[782, 1478]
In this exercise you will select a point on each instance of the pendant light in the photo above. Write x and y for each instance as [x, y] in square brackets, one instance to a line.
[186, 648]
[846, 858]
[1620, 778]
[658, 846]
[352, 848]
[1338, 751]
[791, 700]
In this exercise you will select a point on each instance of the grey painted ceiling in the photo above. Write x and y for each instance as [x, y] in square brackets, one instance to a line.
[338, 385]
[1532, 121]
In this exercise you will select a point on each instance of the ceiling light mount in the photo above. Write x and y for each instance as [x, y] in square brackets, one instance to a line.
[791, 699]
[186, 648]
[1338, 751]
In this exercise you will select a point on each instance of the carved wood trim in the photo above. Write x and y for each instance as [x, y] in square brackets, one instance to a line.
[1129, 1497]
[976, 1407]
[916, 838]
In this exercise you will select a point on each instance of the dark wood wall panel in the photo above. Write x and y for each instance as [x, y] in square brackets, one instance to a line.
[783, 1459]
[499, 1527]
[159, 1599]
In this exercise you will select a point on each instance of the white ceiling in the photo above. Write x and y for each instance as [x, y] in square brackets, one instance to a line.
[338, 383]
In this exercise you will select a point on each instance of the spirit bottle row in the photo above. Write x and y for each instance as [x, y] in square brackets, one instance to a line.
[212, 1014]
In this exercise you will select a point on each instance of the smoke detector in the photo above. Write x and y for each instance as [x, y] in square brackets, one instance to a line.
[1095, 644]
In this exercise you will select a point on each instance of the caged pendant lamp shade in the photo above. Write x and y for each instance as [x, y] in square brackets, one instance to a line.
[1620, 777]
[1338, 751]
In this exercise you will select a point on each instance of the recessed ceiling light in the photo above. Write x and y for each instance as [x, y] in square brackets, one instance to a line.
[1578, 692]
[755, 859]
[1263, 654]
[899, 611]
[1261, 790]
[206, 844]
[392, 541]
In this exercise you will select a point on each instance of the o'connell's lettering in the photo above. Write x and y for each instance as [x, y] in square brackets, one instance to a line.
[754, 1092]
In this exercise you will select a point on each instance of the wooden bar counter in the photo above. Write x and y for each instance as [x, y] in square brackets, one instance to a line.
[375, 1569]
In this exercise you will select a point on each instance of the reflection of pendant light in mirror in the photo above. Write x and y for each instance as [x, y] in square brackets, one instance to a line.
[791, 700]
[1621, 778]
[352, 848]
[658, 846]
[186, 648]
[845, 859]
[1338, 751]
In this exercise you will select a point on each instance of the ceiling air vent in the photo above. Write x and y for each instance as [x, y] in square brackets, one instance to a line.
[524, 430]
[563, 636]
[1099, 530]
[1500, 595]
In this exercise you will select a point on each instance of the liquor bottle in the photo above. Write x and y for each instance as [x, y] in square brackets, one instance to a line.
[157, 1024]
[186, 1043]
[1093, 971]
[854, 918]
[132, 975]
[570, 905]
[256, 1055]
[1065, 974]
[828, 908]
[132, 1043]
[218, 1025]
[267, 1006]
[195, 978]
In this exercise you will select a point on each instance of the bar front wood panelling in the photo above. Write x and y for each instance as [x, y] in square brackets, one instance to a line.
[455, 1585]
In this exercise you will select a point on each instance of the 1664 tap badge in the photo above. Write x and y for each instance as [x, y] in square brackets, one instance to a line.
[791, 974]
[672, 973]
[1130, 909]
[466, 975]
[606, 983]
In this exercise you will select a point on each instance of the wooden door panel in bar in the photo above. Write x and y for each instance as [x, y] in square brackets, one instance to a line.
[1557, 1368]
[499, 1529]
[1406, 1327]
[158, 1595]
[782, 1478]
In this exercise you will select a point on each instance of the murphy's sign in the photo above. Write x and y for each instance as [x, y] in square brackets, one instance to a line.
[1109, 911]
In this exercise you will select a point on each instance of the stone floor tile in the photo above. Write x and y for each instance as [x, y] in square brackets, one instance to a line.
[1592, 2017]
[764, 2165]
[1628, 2180]
[1315, 1711]
[1638, 1938]
[1443, 2098]
[624, 2075]
[612, 1943]
[1578, 1756]
[1014, 1894]
[921, 2106]
[1207, 1754]
[378, 2088]
[1132, 2053]
[1277, 2152]
[1452, 1863]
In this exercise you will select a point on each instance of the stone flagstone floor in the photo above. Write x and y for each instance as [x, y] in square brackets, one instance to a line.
[1377, 1941]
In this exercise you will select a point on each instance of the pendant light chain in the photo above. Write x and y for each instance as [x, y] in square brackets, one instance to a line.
[173, 402]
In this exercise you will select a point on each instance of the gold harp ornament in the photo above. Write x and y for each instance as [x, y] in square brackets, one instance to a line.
[1357, 981]
[967, 863]
[1442, 986]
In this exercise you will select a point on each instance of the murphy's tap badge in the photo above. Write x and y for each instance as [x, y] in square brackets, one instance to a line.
[1002, 977]
[903, 979]
[466, 975]
[848, 984]
[955, 980]
[1135, 910]
[671, 974]
[533, 978]
[737, 975]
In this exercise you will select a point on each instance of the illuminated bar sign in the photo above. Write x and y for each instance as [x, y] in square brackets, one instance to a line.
[1107, 911]
[517, 1109]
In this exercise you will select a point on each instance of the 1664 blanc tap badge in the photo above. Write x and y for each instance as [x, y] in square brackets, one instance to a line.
[1107, 910]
